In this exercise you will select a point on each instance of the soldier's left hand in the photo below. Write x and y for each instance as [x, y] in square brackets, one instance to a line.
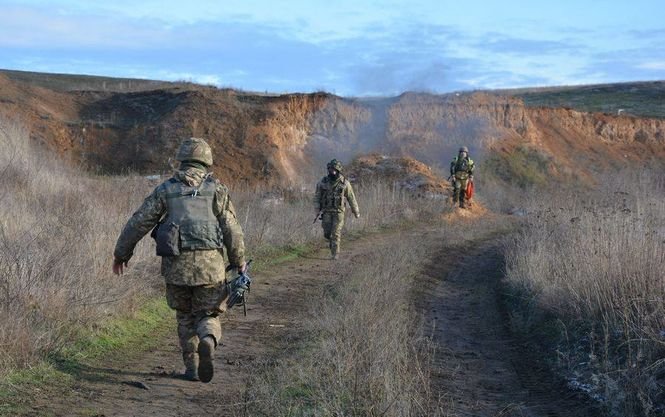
[242, 267]
[357, 215]
[119, 266]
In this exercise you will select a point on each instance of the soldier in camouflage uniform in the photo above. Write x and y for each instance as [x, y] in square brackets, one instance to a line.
[332, 193]
[195, 222]
[461, 172]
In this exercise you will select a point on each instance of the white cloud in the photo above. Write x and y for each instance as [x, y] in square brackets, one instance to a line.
[652, 65]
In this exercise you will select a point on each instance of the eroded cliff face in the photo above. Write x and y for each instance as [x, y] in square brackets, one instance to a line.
[286, 140]
[430, 128]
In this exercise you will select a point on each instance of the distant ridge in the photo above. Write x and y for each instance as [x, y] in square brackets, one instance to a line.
[641, 98]
[78, 82]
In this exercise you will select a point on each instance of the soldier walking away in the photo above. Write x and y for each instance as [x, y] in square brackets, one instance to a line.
[193, 221]
[461, 172]
[332, 193]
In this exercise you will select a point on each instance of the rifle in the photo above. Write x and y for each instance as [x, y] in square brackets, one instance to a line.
[238, 290]
[317, 216]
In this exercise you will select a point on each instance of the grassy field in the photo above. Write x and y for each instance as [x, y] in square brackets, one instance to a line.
[643, 99]
[77, 82]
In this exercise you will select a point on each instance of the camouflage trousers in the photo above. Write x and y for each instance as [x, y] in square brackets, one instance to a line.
[197, 313]
[459, 191]
[333, 223]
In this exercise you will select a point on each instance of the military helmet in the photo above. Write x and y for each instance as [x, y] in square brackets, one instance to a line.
[464, 149]
[335, 164]
[195, 149]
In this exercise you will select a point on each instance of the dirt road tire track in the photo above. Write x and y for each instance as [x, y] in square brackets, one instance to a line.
[481, 369]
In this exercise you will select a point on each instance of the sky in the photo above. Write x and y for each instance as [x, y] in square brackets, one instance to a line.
[350, 48]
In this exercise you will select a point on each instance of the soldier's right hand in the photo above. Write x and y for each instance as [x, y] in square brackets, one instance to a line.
[119, 266]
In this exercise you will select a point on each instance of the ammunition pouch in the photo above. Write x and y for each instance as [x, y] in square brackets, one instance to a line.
[167, 238]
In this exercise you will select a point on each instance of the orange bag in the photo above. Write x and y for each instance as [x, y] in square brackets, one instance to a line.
[469, 190]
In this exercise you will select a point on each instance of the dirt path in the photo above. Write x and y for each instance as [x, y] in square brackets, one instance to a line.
[478, 370]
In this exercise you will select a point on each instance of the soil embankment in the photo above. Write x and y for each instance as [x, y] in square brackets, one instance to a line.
[279, 139]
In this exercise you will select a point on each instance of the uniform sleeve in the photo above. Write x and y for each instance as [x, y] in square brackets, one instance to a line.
[318, 197]
[471, 166]
[141, 222]
[231, 230]
[351, 198]
[452, 167]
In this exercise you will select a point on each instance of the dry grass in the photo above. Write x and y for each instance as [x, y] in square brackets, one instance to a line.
[364, 355]
[286, 218]
[593, 261]
[56, 235]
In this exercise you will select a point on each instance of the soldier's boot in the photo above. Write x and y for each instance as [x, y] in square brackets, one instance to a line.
[462, 199]
[206, 353]
[191, 360]
[333, 250]
[455, 197]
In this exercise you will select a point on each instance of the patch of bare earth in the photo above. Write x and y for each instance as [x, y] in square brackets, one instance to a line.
[479, 369]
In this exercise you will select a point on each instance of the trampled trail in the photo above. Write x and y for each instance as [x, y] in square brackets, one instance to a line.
[479, 368]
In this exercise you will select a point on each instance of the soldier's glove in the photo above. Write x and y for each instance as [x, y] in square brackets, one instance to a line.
[242, 268]
[119, 266]
[357, 215]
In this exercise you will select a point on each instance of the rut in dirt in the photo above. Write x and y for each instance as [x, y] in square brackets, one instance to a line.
[480, 368]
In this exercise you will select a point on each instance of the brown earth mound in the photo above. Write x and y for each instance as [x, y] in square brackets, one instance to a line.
[403, 172]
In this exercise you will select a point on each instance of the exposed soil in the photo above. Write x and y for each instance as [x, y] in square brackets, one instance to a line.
[479, 369]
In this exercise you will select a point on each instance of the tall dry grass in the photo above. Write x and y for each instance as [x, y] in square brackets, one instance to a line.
[365, 354]
[286, 218]
[594, 262]
[57, 230]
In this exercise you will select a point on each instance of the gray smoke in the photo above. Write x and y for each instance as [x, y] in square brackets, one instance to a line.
[426, 127]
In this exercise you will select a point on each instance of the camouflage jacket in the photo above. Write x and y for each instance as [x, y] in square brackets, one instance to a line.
[331, 195]
[196, 267]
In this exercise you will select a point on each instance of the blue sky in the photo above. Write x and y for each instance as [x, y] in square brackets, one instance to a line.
[346, 47]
